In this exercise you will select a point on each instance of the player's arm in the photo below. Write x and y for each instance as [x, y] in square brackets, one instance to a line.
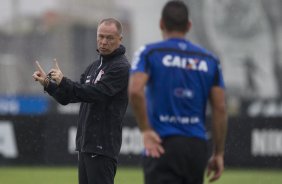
[219, 129]
[219, 119]
[137, 84]
[152, 141]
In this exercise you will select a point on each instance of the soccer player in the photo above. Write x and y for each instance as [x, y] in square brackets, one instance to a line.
[170, 85]
[102, 92]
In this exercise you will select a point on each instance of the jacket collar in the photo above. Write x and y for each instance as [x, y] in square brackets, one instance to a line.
[119, 51]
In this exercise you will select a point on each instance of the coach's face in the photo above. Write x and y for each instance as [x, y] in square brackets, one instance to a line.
[108, 38]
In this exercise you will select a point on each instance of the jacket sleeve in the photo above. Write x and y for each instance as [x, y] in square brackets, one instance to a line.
[61, 94]
[112, 82]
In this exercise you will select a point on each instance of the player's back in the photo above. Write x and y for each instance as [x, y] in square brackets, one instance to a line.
[181, 75]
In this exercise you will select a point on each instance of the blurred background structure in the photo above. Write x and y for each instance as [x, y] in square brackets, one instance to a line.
[246, 35]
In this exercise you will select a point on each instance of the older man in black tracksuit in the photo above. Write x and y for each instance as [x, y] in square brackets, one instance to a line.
[102, 92]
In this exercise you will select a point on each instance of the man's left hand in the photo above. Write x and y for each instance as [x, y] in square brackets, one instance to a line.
[215, 166]
[56, 73]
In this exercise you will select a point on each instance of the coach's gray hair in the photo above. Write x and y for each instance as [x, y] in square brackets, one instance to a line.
[113, 21]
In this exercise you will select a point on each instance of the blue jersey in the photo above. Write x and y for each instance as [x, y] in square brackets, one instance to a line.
[181, 76]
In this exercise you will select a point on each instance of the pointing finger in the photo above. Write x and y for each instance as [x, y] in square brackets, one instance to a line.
[39, 67]
[56, 66]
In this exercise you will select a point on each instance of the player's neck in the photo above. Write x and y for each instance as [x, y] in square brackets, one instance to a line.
[173, 34]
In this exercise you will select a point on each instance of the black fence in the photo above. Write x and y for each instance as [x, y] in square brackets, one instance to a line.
[49, 140]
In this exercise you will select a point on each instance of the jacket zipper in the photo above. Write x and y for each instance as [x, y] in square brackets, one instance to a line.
[83, 134]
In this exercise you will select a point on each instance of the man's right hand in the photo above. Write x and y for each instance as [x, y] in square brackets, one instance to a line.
[152, 143]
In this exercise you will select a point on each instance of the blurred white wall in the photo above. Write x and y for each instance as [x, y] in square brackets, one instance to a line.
[225, 27]
[144, 21]
[5, 11]
[144, 15]
[10, 7]
[18, 18]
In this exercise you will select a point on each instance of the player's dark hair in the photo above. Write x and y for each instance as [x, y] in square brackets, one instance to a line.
[175, 15]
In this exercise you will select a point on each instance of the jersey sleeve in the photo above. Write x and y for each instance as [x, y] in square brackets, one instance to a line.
[139, 63]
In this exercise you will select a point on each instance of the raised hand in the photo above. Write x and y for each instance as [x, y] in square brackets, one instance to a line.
[39, 75]
[55, 73]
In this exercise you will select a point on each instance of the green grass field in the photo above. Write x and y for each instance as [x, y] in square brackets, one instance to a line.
[68, 175]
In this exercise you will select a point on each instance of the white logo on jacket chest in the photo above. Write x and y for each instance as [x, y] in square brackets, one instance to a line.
[88, 79]
[99, 76]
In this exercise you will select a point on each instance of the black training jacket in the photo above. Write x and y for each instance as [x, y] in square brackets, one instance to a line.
[102, 92]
